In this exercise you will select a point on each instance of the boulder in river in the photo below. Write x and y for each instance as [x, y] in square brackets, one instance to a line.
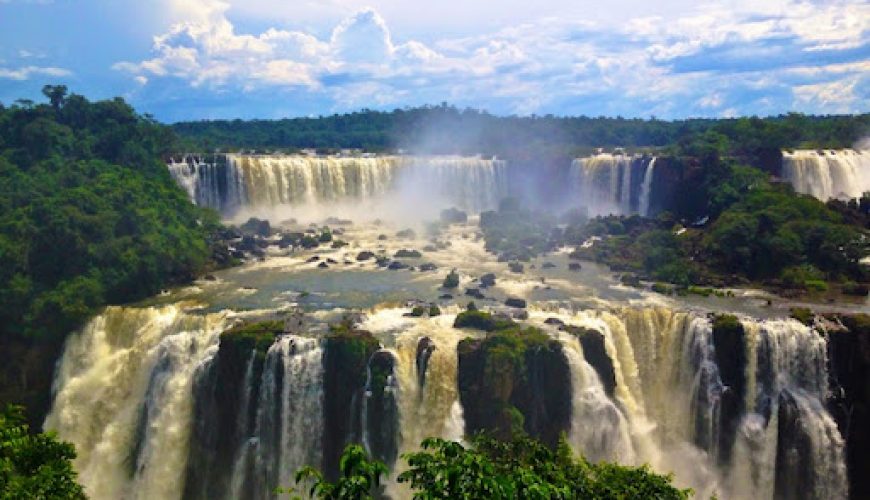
[515, 302]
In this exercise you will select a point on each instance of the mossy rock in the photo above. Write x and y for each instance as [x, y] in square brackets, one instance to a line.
[481, 321]
[802, 314]
[260, 335]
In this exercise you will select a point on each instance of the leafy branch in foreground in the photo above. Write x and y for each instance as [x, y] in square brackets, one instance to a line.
[34, 465]
[489, 468]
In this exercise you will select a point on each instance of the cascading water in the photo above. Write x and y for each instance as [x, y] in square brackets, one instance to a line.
[145, 395]
[232, 182]
[123, 397]
[827, 174]
[646, 188]
[611, 183]
[669, 405]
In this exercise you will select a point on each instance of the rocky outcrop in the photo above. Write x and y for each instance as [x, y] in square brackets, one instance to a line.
[595, 354]
[730, 346]
[849, 369]
[381, 410]
[515, 380]
[345, 366]
[221, 401]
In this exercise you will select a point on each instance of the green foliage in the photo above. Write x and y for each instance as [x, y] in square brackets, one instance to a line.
[444, 129]
[488, 468]
[88, 213]
[258, 336]
[727, 324]
[34, 465]
[482, 321]
[803, 314]
[524, 468]
[360, 477]
[515, 233]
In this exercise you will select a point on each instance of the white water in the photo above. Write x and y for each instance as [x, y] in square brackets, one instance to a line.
[233, 182]
[603, 183]
[646, 188]
[828, 174]
[123, 398]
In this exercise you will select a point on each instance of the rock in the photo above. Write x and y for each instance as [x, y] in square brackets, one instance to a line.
[335, 221]
[396, 265]
[313, 258]
[515, 267]
[454, 216]
[629, 280]
[382, 237]
[474, 292]
[209, 277]
[382, 261]
[596, 355]
[406, 234]
[430, 248]
[554, 321]
[487, 280]
[520, 314]
[515, 302]
[730, 349]
[365, 255]
[548, 265]
[451, 280]
[309, 242]
[408, 254]
[425, 348]
[330, 260]
[428, 267]
[256, 227]
[323, 265]
[522, 391]
[445, 296]
[574, 266]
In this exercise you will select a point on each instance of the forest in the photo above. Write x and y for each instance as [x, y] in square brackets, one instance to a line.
[447, 129]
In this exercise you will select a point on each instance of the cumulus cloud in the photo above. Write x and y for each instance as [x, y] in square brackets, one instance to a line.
[713, 60]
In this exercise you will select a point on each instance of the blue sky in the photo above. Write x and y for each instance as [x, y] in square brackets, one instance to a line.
[191, 59]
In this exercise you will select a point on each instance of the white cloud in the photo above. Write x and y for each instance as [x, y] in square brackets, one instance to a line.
[26, 72]
[557, 63]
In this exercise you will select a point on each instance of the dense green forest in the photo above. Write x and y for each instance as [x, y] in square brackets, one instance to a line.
[89, 215]
[446, 129]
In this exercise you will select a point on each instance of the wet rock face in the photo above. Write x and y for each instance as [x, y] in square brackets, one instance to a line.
[219, 408]
[729, 342]
[345, 366]
[525, 389]
[381, 409]
[849, 369]
[794, 470]
[595, 354]
[425, 348]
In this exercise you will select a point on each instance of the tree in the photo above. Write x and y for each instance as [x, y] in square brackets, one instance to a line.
[56, 95]
[489, 468]
[34, 465]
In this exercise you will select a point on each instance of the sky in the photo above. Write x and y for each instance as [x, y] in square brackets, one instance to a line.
[202, 59]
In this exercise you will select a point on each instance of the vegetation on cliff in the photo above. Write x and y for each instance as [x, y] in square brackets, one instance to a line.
[752, 231]
[34, 465]
[89, 214]
[488, 468]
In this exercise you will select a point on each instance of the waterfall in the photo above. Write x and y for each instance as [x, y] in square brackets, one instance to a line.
[740, 414]
[288, 424]
[646, 188]
[123, 398]
[827, 174]
[235, 181]
[668, 407]
[606, 183]
[788, 444]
